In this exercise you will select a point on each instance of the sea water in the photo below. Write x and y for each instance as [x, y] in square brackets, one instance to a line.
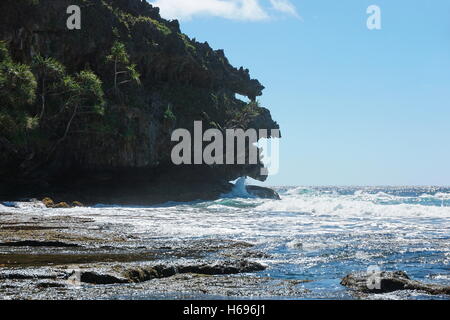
[319, 234]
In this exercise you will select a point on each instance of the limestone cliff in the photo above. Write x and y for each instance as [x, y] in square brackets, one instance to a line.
[92, 110]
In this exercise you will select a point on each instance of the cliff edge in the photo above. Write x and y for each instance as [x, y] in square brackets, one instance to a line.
[89, 113]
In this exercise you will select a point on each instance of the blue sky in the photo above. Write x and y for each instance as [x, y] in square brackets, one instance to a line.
[356, 107]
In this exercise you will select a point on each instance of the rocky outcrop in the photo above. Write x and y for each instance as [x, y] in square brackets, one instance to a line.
[49, 203]
[93, 277]
[146, 273]
[123, 144]
[33, 243]
[262, 192]
[384, 282]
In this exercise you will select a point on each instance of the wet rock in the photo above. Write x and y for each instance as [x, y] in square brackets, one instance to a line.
[182, 286]
[30, 228]
[32, 243]
[240, 254]
[384, 282]
[47, 285]
[242, 266]
[29, 275]
[62, 205]
[8, 286]
[49, 203]
[77, 204]
[262, 192]
[92, 277]
[142, 274]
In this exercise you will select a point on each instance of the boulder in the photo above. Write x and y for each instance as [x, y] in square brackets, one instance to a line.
[98, 278]
[49, 203]
[142, 274]
[62, 205]
[384, 282]
[262, 192]
[35, 244]
[77, 204]
[241, 266]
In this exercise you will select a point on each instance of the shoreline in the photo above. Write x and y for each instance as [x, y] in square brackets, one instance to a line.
[45, 253]
[232, 248]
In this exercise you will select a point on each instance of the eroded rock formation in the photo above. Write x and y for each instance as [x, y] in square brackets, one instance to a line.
[122, 140]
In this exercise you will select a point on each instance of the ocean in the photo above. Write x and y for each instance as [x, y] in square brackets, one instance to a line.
[318, 234]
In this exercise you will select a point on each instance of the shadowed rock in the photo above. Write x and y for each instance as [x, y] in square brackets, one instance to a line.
[98, 278]
[242, 266]
[147, 273]
[262, 192]
[31, 243]
[30, 275]
[384, 282]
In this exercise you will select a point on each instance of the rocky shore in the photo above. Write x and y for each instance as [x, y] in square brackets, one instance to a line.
[386, 282]
[67, 256]
[63, 254]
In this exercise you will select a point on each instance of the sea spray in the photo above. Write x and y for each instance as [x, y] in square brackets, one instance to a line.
[239, 190]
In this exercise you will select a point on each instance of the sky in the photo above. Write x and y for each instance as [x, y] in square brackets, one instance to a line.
[355, 106]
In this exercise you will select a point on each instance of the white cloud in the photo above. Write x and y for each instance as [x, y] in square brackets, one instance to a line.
[248, 10]
[285, 6]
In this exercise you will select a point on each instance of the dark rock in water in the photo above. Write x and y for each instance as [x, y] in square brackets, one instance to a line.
[28, 275]
[142, 274]
[48, 202]
[77, 204]
[384, 282]
[61, 205]
[32, 243]
[242, 266]
[47, 285]
[262, 192]
[98, 278]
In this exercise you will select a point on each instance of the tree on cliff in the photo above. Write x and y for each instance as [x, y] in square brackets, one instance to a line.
[48, 72]
[84, 96]
[120, 59]
[17, 94]
[17, 82]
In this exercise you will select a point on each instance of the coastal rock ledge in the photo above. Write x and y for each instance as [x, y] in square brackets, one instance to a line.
[389, 282]
[146, 273]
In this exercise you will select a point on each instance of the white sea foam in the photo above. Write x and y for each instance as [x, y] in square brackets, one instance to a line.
[309, 230]
[239, 190]
[300, 212]
[345, 206]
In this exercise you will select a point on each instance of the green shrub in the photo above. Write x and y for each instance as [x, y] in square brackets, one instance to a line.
[169, 115]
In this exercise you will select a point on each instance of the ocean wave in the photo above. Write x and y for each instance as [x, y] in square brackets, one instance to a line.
[35, 204]
[352, 206]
